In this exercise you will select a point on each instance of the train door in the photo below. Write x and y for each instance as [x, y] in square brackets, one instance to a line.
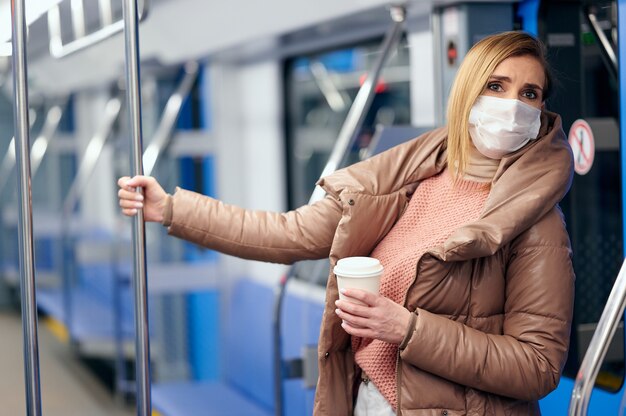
[581, 38]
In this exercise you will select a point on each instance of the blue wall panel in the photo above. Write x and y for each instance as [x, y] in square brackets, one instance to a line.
[528, 10]
[203, 312]
[249, 343]
[203, 308]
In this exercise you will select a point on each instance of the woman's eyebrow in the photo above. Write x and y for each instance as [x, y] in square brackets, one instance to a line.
[531, 85]
[504, 78]
[499, 78]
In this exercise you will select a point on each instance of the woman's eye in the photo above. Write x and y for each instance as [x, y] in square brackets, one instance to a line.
[531, 95]
[494, 86]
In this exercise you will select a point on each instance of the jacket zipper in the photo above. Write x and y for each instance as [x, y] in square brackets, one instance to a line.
[399, 382]
[398, 360]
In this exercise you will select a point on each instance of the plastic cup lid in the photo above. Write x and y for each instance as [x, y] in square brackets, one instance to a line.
[358, 267]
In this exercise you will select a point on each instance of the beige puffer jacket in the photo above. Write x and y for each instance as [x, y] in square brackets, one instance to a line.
[492, 306]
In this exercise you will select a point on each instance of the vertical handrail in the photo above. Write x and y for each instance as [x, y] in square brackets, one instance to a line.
[599, 345]
[140, 283]
[25, 217]
[158, 144]
[345, 140]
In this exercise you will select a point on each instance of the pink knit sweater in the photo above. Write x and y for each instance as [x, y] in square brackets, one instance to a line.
[437, 208]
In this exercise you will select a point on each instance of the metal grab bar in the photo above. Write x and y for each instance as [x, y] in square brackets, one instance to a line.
[140, 282]
[599, 346]
[606, 47]
[345, 140]
[25, 217]
[163, 134]
[362, 101]
[60, 50]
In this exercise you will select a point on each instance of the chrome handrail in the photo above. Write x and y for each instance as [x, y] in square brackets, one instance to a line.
[140, 282]
[362, 101]
[25, 217]
[163, 135]
[82, 41]
[345, 140]
[605, 43]
[599, 345]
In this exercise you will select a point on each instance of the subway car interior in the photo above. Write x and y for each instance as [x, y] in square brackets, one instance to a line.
[252, 102]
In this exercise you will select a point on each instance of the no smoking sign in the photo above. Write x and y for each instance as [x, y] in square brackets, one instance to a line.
[582, 143]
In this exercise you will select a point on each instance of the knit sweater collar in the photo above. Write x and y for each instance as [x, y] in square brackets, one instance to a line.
[480, 168]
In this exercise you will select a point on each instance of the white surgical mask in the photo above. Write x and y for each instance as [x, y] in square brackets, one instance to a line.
[499, 126]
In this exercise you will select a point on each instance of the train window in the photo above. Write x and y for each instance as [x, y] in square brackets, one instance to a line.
[320, 89]
[592, 209]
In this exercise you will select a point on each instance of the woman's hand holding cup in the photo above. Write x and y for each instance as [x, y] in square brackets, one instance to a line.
[364, 312]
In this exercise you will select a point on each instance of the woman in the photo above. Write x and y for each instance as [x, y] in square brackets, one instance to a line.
[475, 306]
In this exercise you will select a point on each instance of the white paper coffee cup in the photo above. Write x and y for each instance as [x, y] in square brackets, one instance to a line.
[358, 273]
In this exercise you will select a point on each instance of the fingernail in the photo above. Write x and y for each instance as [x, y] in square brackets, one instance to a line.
[342, 291]
[139, 197]
[138, 205]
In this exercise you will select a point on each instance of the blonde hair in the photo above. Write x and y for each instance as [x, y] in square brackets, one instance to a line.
[471, 80]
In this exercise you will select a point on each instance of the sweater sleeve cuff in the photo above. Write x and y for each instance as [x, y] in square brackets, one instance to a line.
[167, 211]
[409, 331]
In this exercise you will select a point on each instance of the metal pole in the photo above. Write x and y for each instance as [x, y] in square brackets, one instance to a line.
[140, 284]
[362, 101]
[25, 218]
[599, 345]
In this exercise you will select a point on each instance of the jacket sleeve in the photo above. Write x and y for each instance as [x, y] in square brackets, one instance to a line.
[305, 233]
[526, 360]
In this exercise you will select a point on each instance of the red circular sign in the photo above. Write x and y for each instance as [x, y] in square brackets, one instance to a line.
[582, 143]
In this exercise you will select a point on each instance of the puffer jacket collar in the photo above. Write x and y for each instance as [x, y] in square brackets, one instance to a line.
[527, 184]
